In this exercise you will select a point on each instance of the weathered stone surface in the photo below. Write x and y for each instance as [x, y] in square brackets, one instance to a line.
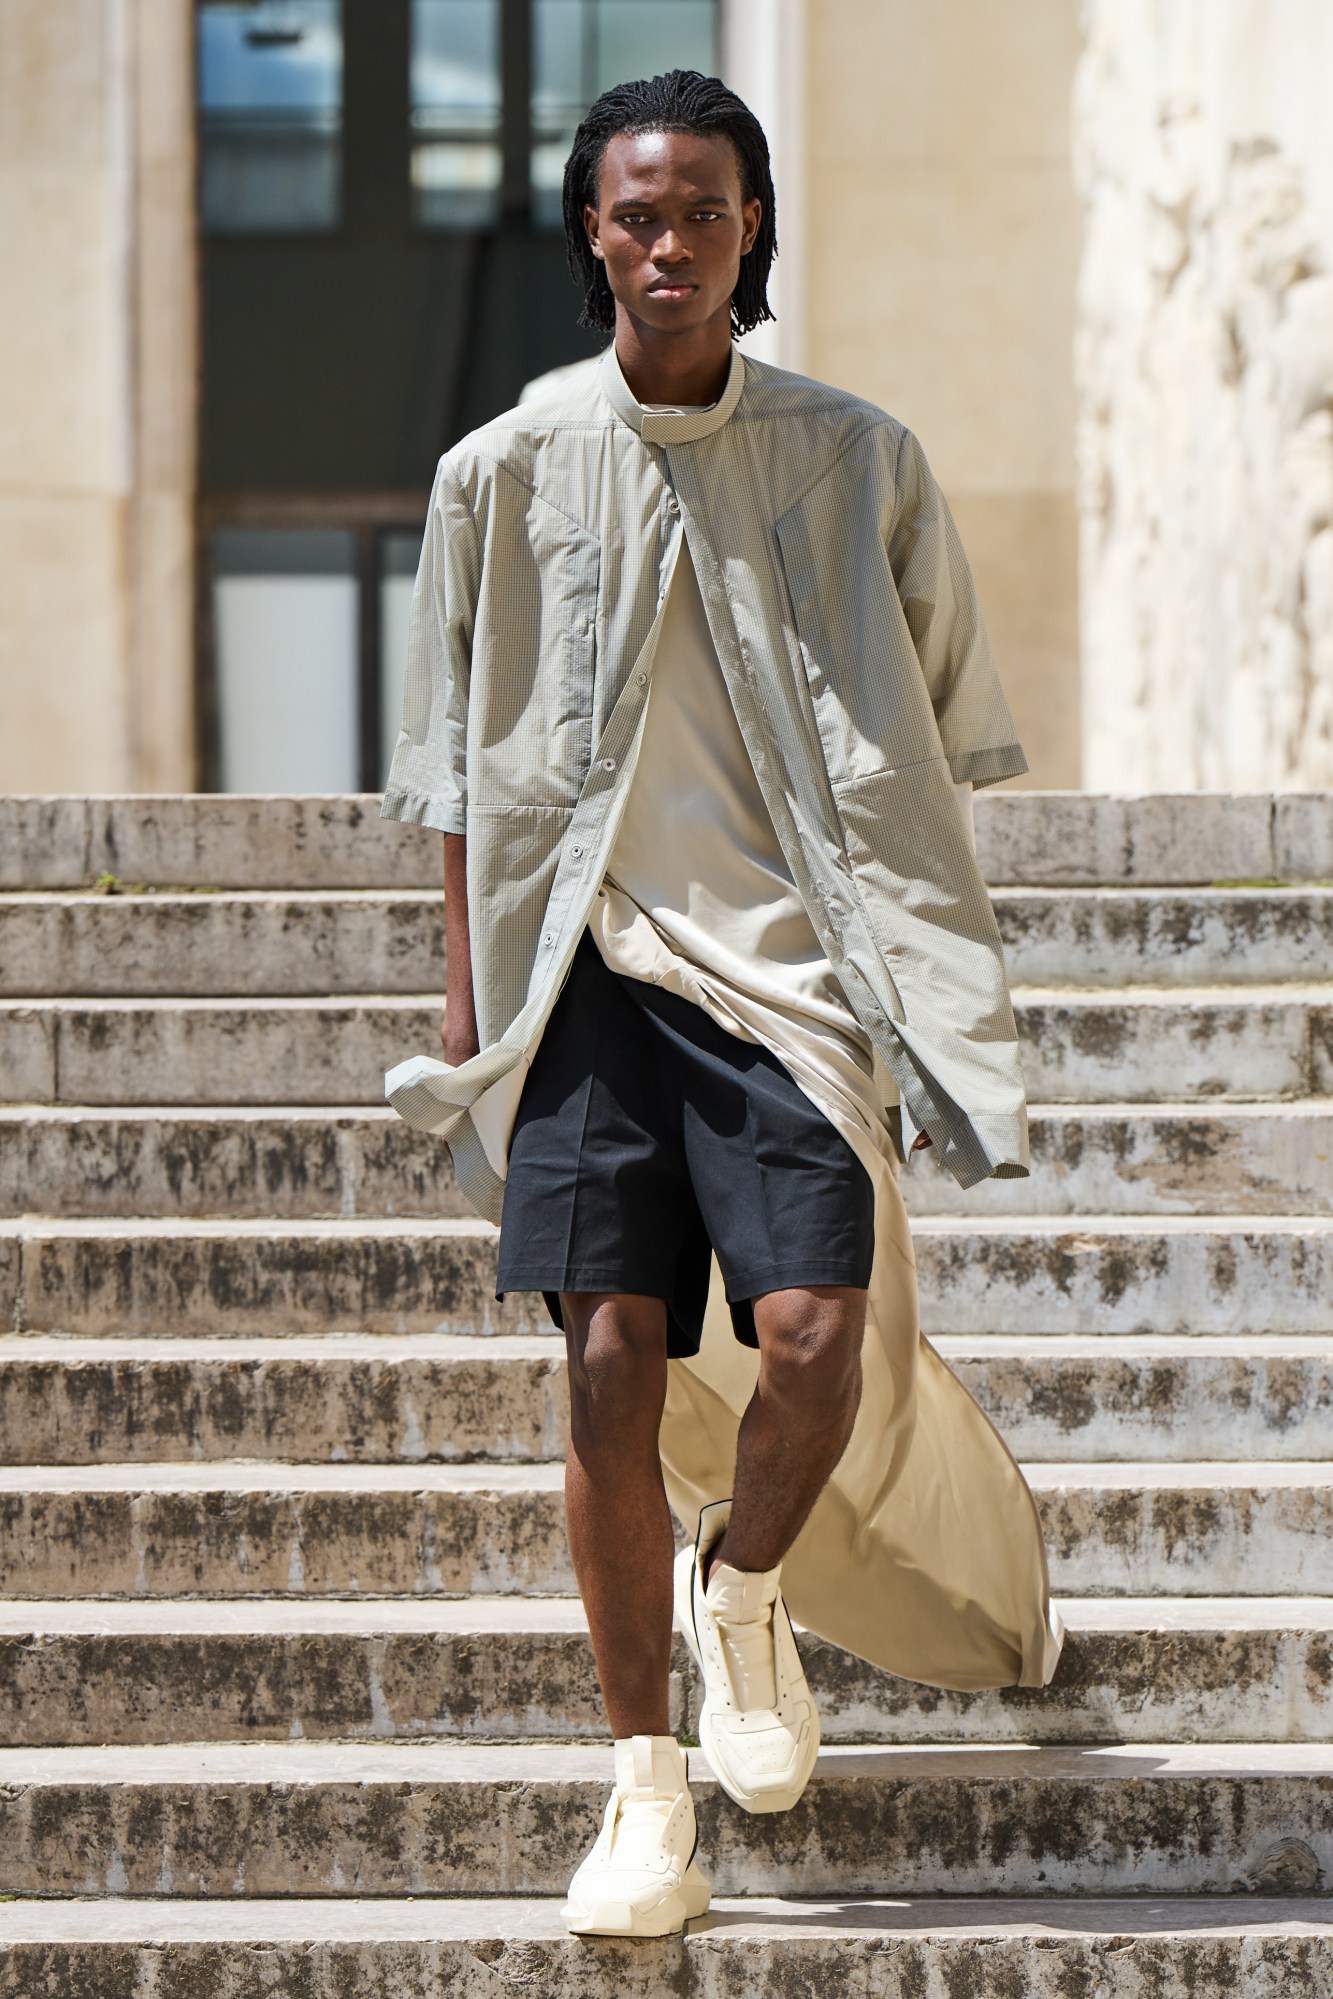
[515, 1669]
[389, 1530]
[1048, 1949]
[298, 1051]
[259, 1530]
[1086, 838]
[28, 1036]
[278, 943]
[1303, 836]
[430, 1818]
[1035, 1275]
[1204, 339]
[1188, 1530]
[195, 1162]
[1215, 1159]
[43, 842]
[348, 1401]
[223, 1673]
[250, 943]
[1154, 1398]
[236, 1161]
[1200, 937]
[1125, 1275]
[1139, 1045]
[340, 842]
[1142, 1045]
[450, 1399]
[1148, 1046]
[244, 1277]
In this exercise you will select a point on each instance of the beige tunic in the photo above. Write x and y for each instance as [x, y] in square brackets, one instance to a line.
[924, 1552]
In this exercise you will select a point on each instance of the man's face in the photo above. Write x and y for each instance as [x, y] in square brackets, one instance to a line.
[671, 227]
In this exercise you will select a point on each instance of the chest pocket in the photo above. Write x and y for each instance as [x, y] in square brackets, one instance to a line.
[866, 685]
[538, 639]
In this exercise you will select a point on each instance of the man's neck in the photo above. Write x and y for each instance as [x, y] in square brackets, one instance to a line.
[686, 368]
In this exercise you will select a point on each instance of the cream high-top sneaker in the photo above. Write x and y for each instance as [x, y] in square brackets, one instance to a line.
[759, 1727]
[640, 1879]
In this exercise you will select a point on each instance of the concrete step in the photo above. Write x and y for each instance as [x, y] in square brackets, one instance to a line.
[1143, 1045]
[303, 1163]
[450, 1399]
[1153, 1397]
[1094, 1274]
[430, 1398]
[245, 1530]
[250, 942]
[1050, 1948]
[501, 1668]
[273, 942]
[310, 1819]
[1145, 1159]
[340, 841]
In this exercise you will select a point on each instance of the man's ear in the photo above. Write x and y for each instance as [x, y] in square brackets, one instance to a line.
[590, 223]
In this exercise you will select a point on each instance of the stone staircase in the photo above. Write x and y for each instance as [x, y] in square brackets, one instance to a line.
[295, 1698]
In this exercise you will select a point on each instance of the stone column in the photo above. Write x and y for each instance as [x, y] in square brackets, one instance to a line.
[97, 395]
[1204, 362]
[940, 268]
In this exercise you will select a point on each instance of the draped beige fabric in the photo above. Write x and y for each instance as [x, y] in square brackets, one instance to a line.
[923, 1553]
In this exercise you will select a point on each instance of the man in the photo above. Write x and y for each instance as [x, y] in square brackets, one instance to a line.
[695, 670]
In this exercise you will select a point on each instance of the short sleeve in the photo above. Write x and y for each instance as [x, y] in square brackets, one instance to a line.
[940, 604]
[427, 783]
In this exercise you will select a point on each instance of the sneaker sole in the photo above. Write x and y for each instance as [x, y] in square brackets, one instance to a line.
[622, 1919]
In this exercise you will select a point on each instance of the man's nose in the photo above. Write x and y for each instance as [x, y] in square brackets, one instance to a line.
[669, 249]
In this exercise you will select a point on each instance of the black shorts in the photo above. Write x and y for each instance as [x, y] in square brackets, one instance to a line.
[648, 1136]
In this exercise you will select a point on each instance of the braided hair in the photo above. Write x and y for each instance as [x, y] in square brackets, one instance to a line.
[680, 101]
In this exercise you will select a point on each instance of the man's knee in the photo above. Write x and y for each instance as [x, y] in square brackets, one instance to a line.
[810, 1344]
[617, 1362]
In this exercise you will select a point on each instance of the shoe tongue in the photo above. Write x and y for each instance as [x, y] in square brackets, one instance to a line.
[649, 1767]
[742, 1602]
[749, 1649]
[741, 1596]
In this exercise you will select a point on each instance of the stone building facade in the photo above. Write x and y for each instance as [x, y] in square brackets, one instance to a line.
[1083, 251]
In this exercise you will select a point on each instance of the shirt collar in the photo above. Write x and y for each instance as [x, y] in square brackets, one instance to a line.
[670, 426]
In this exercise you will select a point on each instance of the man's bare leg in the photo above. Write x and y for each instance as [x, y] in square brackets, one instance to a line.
[798, 1421]
[791, 1436]
[616, 1509]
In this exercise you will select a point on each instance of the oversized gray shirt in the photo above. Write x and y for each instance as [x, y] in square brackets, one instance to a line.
[848, 631]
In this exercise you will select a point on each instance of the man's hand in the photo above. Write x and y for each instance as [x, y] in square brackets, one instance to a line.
[920, 1142]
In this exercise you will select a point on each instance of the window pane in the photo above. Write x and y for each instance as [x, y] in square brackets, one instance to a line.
[286, 628]
[399, 555]
[581, 47]
[456, 113]
[270, 114]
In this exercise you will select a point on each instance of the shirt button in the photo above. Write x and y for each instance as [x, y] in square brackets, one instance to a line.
[549, 939]
[643, 680]
[576, 853]
[673, 505]
[608, 763]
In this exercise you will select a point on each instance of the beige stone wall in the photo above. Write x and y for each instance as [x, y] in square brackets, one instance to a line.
[97, 359]
[1204, 151]
[941, 242]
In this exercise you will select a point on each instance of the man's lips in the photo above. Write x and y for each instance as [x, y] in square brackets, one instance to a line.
[670, 285]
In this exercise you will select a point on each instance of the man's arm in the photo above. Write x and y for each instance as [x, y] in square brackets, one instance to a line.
[458, 1029]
